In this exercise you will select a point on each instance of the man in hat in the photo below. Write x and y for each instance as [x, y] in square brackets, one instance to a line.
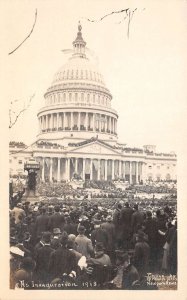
[118, 226]
[25, 273]
[141, 254]
[127, 274]
[109, 227]
[55, 241]
[125, 219]
[137, 218]
[57, 220]
[42, 259]
[99, 235]
[84, 244]
[62, 260]
[70, 227]
[151, 229]
[100, 256]
[41, 223]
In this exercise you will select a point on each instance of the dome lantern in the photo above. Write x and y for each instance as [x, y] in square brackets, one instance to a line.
[79, 44]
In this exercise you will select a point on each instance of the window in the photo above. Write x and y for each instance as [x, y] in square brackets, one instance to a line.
[76, 96]
[20, 162]
[64, 97]
[70, 96]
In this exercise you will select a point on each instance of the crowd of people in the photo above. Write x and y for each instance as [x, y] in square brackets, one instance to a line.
[97, 243]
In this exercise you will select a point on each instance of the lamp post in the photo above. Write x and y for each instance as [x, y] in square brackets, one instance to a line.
[31, 166]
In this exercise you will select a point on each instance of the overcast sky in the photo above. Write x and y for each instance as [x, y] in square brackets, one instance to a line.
[145, 73]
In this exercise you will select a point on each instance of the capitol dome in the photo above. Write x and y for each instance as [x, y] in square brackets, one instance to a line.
[78, 69]
[78, 100]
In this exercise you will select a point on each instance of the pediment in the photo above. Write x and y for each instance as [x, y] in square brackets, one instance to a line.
[95, 148]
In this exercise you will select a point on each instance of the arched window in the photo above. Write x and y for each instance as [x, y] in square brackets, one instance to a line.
[64, 97]
[82, 97]
[70, 97]
[76, 97]
[93, 98]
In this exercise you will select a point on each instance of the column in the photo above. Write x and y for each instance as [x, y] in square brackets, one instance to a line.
[83, 169]
[120, 169]
[86, 121]
[112, 169]
[78, 121]
[62, 120]
[99, 123]
[52, 120]
[140, 168]
[51, 170]
[76, 165]
[136, 172]
[106, 124]
[65, 120]
[99, 170]
[57, 121]
[124, 169]
[47, 120]
[58, 170]
[130, 172]
[105, 169]
[43, 169]
[71, 120]
[91, 169]
[143, 171]
[94, 121]
[68, 169]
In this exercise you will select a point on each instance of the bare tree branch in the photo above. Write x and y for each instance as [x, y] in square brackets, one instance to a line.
[27, 35]
[128, 14]
[12, 123]
[113, 12]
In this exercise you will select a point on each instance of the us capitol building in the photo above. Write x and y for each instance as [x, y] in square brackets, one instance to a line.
[77, 135]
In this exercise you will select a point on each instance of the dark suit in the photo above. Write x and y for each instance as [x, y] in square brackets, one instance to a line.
[137, 219]
[141, 257]
[125, 219]
[42, 263]
[99, 235]
[57, 220]
[41, 224]
[62, 261]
